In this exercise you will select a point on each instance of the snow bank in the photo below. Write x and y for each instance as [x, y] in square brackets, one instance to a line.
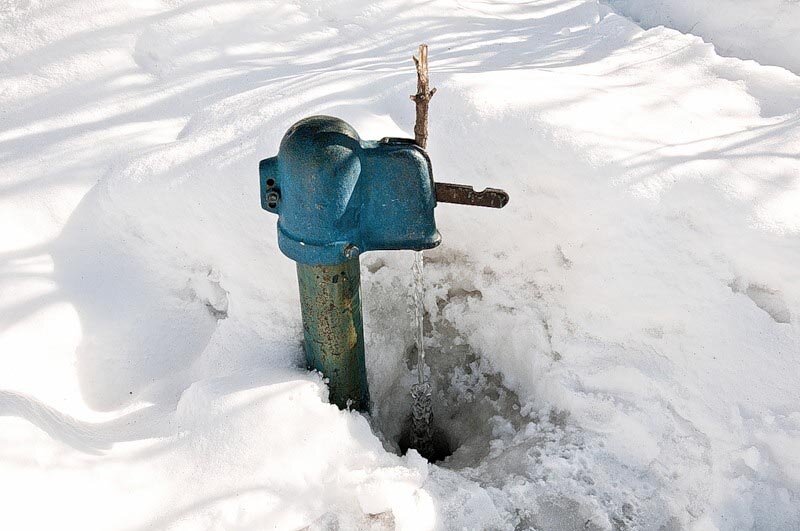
[617, 349]
[765, 30]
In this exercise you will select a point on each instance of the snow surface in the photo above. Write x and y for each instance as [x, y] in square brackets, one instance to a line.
[617, 349]
[765, 30]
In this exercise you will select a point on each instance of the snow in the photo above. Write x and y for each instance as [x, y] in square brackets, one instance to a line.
[765, 30]
[616, 349]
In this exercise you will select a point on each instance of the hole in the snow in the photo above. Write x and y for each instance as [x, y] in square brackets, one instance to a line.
[471, 406]
[438, 450]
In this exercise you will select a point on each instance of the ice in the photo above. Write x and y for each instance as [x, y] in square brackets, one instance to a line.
[617, 348]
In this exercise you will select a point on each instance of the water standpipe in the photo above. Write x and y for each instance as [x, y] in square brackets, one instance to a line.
[337, 196]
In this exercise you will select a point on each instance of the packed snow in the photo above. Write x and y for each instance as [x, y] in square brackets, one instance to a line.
[618, 348]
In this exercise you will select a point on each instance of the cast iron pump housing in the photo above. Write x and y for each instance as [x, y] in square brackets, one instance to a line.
[337, 196]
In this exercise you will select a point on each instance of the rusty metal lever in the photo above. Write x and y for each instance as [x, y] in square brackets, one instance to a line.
[463, 194]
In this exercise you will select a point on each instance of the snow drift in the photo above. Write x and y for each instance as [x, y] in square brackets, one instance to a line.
[765, 30]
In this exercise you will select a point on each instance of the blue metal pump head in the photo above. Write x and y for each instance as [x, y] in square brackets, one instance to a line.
[337, 196]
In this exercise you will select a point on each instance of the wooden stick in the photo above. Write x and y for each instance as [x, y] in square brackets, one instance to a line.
[422, 97]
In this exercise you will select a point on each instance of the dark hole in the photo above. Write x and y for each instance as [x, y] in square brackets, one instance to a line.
[273, 205]
[438, 449]
[270, 182]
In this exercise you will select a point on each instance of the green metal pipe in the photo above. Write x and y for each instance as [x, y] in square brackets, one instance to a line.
[330, 299]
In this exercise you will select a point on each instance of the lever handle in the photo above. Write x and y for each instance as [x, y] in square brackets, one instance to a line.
[463, 194]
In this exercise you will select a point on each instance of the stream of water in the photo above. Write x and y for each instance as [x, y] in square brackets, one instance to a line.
[421, 392]
[419, 313]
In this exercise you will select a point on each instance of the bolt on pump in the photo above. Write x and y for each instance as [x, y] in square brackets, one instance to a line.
[337, 196]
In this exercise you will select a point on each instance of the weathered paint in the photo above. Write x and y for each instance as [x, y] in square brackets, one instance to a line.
[330, 299]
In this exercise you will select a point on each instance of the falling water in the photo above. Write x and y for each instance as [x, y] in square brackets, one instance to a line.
[419, 313]
[422, 406]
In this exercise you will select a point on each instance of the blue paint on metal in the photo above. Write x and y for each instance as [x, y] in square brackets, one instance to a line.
[337, 196]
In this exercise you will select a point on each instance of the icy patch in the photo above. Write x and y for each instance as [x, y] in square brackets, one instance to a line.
[513, 446]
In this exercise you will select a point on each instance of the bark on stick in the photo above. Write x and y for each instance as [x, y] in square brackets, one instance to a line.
[422, 97]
